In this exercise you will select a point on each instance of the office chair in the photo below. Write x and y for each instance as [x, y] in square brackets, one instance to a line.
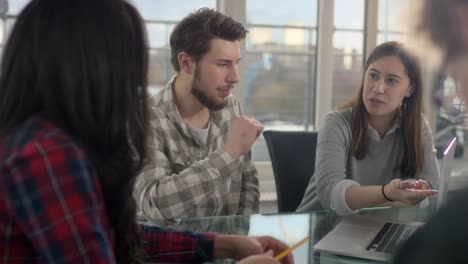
[292, 156]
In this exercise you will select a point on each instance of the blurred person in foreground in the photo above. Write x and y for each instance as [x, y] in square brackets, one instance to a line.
[73, 129]
[444, 238]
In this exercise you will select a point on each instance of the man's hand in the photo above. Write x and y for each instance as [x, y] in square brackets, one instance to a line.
[244, 131]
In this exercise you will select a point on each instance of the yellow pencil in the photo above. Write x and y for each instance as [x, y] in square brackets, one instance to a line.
[289, 250]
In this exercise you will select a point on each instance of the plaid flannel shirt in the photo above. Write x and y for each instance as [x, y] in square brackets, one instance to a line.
[186, 178]
[52, 208]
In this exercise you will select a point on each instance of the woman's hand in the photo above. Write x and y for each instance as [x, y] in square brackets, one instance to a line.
[408, 191]
[240, 247]
[414, 184]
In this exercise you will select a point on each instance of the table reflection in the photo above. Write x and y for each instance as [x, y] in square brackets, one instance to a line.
[291, 228]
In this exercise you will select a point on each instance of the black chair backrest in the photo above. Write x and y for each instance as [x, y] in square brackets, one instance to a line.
[292, 156]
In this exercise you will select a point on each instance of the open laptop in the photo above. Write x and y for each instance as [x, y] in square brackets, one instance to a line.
[372, 238]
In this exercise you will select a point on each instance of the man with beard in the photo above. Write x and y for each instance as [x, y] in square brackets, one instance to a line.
[200, 161]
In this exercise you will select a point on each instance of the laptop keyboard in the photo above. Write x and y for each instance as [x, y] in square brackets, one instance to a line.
[390, 236]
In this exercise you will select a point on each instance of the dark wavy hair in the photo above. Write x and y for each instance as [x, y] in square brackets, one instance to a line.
[194, 33]
[82, 64]
[411, 116]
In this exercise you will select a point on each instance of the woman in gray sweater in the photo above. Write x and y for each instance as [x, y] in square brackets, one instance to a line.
[369, 146]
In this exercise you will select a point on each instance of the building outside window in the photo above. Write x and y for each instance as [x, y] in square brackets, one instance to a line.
[348, 41]
[279, 66]
[161, 16]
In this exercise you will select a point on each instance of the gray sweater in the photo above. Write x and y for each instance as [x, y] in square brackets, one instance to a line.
[336, 169]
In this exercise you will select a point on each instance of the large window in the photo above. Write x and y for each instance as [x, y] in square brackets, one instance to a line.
[279, 60]
[15, 6]
[279, 65]
[348, 42]
[160, 17]
[391, 14]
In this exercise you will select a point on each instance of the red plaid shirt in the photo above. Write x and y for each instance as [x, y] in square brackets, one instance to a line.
[52, 209]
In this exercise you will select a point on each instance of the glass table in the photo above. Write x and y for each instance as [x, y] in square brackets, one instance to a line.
[293, 227]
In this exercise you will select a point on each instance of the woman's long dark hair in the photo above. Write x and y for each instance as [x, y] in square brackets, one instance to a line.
[82, 64]
[411, 112]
